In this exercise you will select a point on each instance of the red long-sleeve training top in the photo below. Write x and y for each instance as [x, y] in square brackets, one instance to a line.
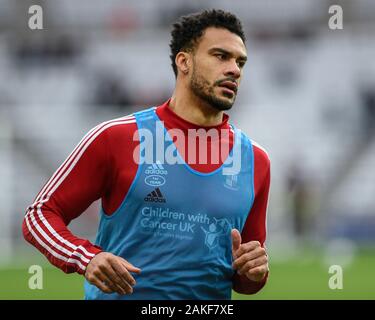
[102, 167]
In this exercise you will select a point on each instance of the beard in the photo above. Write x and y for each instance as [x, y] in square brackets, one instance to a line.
[202, 88]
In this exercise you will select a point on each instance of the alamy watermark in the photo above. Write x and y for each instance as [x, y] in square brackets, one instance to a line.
[36, 19]
[336, 281]
[204, 146]
[36, 280]
[336, 20]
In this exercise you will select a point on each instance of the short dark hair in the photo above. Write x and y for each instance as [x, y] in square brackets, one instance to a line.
[188, 29]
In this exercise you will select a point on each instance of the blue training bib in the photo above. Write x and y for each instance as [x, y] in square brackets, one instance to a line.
[175, 223]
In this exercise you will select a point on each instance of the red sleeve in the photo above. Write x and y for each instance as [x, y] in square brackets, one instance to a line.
[255, 226]
[85, 176]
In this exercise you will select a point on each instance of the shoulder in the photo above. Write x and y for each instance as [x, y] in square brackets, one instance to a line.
[123, 128]
[260, 154]
[108, 133]
[262, 166]
[116, 128]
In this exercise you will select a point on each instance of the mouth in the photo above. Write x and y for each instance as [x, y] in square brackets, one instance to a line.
[229, 86]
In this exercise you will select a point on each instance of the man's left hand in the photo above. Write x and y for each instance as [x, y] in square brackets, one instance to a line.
[250, 258]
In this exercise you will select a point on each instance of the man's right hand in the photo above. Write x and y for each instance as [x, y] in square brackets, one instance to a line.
[111, 274]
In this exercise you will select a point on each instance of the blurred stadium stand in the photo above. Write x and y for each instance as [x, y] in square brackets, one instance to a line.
[301, 98]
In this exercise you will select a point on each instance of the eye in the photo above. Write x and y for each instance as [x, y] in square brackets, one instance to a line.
[221, 56]
[241, 64]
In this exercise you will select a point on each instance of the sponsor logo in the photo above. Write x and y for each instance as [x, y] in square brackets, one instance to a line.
[155, 196]
[216, 232]
[231, 182]
[155, 173]
[155, 181]
[156, 169]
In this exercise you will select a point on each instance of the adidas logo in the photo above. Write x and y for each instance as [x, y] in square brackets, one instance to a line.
[156, 168]
[155, 196]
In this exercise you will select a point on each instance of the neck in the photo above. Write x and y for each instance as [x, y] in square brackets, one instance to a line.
[192, 109]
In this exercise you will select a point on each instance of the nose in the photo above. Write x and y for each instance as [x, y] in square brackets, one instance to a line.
[233, 69]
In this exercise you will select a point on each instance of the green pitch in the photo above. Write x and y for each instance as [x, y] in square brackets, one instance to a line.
[299, 278]
[307, 278]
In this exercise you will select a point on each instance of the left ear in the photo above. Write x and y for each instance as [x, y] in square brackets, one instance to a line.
[183, 62]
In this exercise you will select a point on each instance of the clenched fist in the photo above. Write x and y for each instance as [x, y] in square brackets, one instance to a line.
[249, 258]
[111, 273]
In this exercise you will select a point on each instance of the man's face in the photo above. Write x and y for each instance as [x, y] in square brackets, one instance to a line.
[218, 62]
